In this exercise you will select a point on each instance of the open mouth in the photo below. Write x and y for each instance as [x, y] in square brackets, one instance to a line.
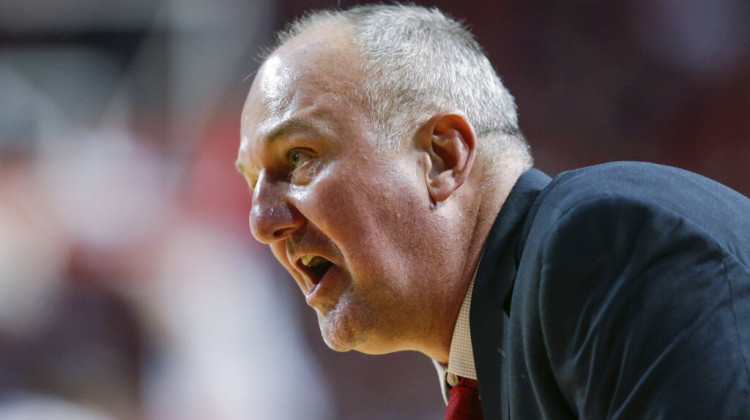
[316, 266]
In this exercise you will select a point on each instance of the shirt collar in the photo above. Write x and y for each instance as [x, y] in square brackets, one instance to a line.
[461, 356]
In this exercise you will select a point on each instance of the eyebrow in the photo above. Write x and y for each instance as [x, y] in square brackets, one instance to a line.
[290, 125]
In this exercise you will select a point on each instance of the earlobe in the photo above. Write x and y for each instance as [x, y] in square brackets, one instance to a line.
[450, 143]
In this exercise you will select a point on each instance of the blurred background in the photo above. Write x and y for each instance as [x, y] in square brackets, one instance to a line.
[130, 287]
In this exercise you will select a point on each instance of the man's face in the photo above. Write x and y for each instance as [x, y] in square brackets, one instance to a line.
[347, 220]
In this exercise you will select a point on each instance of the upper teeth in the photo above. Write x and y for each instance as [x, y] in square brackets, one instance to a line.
[312, 260]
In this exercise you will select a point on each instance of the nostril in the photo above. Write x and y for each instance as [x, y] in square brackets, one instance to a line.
[272, 223]
[280, 233]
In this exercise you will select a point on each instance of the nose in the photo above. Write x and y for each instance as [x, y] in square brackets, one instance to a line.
[272, 216]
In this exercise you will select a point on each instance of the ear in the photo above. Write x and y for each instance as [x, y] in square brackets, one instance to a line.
[450, 145]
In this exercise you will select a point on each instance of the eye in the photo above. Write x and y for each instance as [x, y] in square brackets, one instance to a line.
[303, 165]
[297, 158]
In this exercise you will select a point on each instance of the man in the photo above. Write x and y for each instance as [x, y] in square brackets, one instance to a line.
[390, 178]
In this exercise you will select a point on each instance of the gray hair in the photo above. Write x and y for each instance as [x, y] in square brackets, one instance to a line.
[419, 62]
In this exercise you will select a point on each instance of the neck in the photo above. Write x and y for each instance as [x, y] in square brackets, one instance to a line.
[486, 195]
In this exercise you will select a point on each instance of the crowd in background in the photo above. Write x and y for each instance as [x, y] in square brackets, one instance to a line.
[130, 287]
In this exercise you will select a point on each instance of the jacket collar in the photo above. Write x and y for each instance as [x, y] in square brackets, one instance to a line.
[503, 238]
[495, 277]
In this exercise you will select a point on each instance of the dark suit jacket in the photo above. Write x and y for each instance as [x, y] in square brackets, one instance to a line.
[615, 291]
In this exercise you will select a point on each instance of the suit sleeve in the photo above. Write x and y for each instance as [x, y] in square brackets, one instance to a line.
[637, 308]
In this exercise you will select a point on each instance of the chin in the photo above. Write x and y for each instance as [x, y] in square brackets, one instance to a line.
[343, 333]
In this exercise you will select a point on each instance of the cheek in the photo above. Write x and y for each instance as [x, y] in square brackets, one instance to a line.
[373, 220]
[342, 205]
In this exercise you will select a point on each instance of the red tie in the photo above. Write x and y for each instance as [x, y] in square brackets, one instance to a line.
[464, 401]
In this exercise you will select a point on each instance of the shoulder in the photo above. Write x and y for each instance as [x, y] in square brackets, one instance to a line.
[608, 206]
[642, 182]
[597, 208]
[635, 270]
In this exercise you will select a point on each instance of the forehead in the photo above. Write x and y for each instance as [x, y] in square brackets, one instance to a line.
[306, 82]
